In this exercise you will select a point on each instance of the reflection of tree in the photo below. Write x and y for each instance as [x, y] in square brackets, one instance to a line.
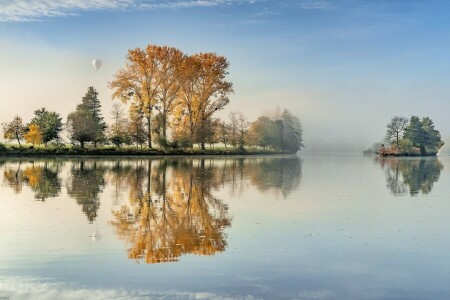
[42, 178]
[85, 185]
[279, 174]
[415, 175]
[176, 215]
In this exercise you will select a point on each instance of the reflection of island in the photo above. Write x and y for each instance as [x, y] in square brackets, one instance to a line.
[42, 178]
[413, 175]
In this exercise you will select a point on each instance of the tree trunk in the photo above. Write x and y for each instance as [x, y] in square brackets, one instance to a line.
[202, 135]
[164, 125]
[82, 144]
[149, 126]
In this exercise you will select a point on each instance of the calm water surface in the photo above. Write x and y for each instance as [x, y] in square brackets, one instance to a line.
[318, 227]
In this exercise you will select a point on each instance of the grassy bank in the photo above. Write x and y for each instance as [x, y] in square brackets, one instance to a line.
[8, 150]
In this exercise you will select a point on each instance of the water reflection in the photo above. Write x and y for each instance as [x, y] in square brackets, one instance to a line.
[411, 175]
[86, 182]
[163, 208]
[172, 213]
[42, 178]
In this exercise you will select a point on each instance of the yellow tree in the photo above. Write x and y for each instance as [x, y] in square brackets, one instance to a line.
[170, 72]
[205, 91]
[139, 81]
[34, 135]
[186, 112]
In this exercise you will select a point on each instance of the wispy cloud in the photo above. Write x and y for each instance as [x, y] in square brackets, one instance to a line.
[33, 288]
[314, 4]
[32, 10]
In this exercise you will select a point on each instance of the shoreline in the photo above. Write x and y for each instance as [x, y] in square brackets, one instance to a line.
[112, 152]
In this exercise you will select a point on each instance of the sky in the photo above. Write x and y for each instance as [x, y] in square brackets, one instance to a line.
[345, 67]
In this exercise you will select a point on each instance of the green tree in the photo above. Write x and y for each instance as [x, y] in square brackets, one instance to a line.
[422, 134]
[86, 123]
[50, 124]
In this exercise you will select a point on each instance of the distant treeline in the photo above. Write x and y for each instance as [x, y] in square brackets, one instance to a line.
[171, 99]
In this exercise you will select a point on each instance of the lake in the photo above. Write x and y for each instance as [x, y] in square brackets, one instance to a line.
[283, 227]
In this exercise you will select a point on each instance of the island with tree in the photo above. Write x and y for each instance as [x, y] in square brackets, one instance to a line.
[411, 137]
[166, 103]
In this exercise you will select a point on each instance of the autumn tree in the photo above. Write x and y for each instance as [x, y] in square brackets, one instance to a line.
[186, 112]
[14, 130]
[212, 89]
[50, 124]
[86, 123]
[139, 81]
[171, 75]
[395, 130]
[33, 135]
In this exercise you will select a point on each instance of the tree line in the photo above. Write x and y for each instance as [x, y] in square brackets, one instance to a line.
[172, 99]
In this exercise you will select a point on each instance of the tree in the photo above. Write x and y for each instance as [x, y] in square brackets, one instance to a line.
[139, 82]
[395, 130]
[186, 112]
[292, 132]
[233, 129]
[136, 128]
[213, 89]
[266, 132]
[86, 123]
[422, 134]
[14, 130]
[242, 127]
[81, 127]
[118, 130]
[33, 135]
[223, 133]
[50, 124]
[171, 76]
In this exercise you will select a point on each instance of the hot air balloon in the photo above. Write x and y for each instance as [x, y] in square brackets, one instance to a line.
[97, 63]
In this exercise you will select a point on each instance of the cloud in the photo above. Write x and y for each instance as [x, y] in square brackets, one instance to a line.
[19, 288]
[314, 4]
[34, 10]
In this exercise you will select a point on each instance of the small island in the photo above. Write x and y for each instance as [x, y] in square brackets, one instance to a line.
[410, 137]
[167, 105]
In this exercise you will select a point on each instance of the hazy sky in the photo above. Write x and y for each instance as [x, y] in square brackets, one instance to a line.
[345, 67]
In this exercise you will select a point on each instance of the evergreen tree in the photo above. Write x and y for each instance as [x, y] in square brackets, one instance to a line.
[86, 124]
[422, 134]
